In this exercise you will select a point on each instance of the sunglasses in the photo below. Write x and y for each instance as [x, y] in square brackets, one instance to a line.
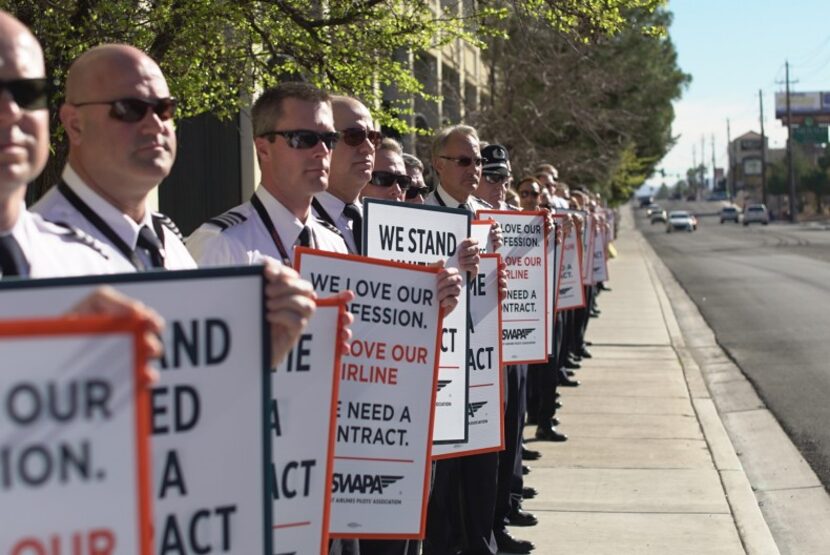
[387, 179]
[465, 161]
[132, 110]
[413, 192]
[303, 139]
[525, 194]
[354, 136]
[495, 179]
[29, 94]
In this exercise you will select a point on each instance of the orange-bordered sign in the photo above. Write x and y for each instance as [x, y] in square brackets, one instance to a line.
[485, 411]
[387, 392]
[304, 422]
[570, 293]
[524, 252]
[75, 436]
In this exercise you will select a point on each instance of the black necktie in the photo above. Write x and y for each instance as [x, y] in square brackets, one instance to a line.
[148, 241]
[351, 212]
[464, 206]
[12, 260]
[304, 239]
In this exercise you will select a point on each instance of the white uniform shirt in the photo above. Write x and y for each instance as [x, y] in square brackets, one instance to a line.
[440, 197]
[240, 237]
[55, 251]
[559, 202]
[55, 207]
[333, 207]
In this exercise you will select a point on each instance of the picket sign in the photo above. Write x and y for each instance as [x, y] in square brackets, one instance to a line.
[386, 401]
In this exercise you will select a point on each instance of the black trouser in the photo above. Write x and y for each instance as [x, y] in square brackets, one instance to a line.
[479, 474]
[581, 320]
[511, 458]
[389, 547]
[442, 515]
[344, 547]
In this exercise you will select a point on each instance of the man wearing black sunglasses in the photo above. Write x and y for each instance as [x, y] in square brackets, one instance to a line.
[294, 137]
[118, 117]
[418, 191]
[452, 525]
[30, 246]
[389, 179]
[351, 168]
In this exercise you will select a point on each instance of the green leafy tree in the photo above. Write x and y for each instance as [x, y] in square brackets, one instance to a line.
[599, 109]
[217, 53]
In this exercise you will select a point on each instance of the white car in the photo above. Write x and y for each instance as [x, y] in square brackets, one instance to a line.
[681, 220]
[658, 216]
[756, 213]
[729, 213]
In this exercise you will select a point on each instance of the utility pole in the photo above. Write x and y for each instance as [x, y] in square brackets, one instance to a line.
[703, 161]
[693, 175]
[714, 177]
[730, 173]
[790, 165]
[763, 150]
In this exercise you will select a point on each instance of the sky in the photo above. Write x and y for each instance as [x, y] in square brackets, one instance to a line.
[733, 48]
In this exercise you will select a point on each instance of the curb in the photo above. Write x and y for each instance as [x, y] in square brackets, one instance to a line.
[746, 512]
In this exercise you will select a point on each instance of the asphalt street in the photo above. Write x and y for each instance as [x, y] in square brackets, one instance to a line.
[765, 291]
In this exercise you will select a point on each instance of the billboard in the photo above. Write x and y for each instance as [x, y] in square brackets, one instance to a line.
[802, 103]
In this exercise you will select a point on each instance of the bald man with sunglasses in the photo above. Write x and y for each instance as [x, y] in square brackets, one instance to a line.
[118, 117]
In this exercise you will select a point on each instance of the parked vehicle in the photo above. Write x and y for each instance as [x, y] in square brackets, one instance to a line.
[681, 220]
[658, 216]
[756, 213]
[730, 213]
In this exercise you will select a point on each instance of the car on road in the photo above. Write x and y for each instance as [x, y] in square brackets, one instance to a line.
[658, 215]
[645, 201]
[730, 213]
[651, 208]
[756, 213]
[681, 220]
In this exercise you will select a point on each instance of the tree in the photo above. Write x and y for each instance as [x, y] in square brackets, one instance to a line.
[599, 109]
[217, 53]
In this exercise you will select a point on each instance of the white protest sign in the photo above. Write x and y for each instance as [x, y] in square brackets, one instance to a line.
[303, 418]
[552, 276]
[557, 267]
[480, 231]
[599, 270]
[419, 234]
[524, 317]
[484, 411]
[386, 402]
[588, 250]
[210, 442]
[571, 292]
[74, 468]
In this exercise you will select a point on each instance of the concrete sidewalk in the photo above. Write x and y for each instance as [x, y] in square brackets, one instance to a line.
[648, 467]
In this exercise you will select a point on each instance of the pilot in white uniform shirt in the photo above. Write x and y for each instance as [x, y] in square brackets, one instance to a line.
[440, 197]
[259, 227]
[330, 209]
[52, 250]
[74, 203]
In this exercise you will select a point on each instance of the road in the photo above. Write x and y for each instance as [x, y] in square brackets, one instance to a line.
[765, 291]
